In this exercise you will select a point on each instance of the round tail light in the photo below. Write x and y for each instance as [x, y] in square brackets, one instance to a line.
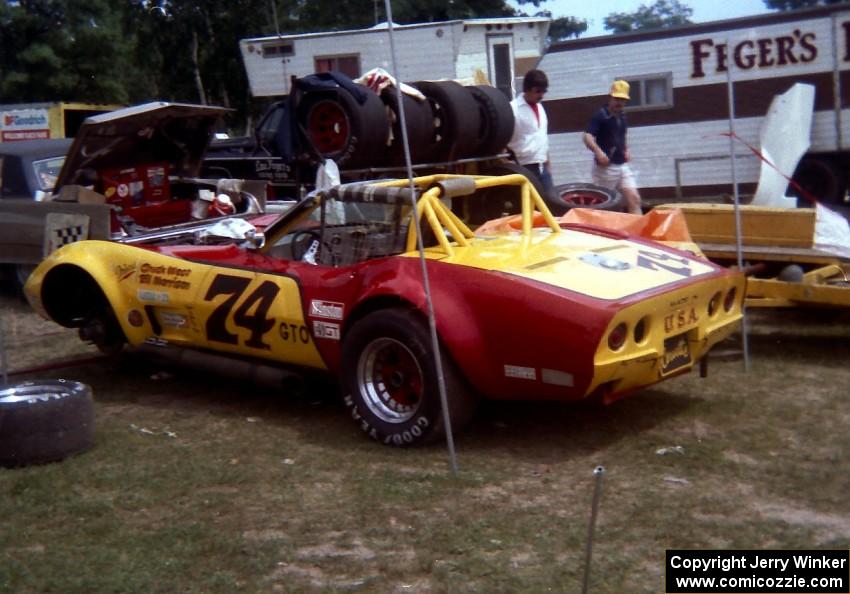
[617, 338]
[729, 301]
[639, 332]
[714, 304]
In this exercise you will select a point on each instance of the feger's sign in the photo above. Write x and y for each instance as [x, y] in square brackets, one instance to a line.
[796, 47]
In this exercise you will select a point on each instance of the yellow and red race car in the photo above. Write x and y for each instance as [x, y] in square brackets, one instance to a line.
[335, 284]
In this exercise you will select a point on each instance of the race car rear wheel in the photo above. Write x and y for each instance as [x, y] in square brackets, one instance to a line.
[390, 380]
[45, 421]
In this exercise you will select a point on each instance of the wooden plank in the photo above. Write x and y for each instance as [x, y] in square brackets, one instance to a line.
[726, 251]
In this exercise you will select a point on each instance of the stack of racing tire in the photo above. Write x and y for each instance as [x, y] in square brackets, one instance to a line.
[356, 127]
[360, 129]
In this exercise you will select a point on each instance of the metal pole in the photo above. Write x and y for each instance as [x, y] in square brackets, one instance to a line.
[738, 239]
[4, 362]
[274, 13]
[438, 362]
[588, 551]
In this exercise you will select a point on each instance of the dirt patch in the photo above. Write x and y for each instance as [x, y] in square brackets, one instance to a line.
[827, 527]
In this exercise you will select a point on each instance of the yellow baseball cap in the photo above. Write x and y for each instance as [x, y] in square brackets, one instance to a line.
[620, 90]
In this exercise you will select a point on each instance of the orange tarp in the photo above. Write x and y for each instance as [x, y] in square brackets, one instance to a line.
[667, 225]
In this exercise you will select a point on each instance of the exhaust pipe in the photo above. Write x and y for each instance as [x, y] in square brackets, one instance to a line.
[258, 373]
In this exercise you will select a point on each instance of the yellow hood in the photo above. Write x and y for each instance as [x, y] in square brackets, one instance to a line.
[594, 265]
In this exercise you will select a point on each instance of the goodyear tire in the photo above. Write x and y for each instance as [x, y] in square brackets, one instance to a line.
[390, 380]
[456, 119]
[497, 119]
[342, 129]
[419, 119]
[45, 421]
[580, 195]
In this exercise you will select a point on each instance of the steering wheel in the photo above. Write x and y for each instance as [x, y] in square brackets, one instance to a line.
[304, 242]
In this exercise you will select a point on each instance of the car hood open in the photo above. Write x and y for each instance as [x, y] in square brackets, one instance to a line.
[173, 133]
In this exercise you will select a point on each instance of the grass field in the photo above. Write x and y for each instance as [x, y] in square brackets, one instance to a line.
[202, 484]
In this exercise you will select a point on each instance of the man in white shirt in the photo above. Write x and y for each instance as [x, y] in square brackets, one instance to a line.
[530, 140]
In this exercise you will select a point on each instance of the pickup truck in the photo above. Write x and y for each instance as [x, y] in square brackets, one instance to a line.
[126, 171]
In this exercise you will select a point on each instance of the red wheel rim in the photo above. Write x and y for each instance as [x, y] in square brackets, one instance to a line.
[328, 127]
[390, 380]
[584, 198]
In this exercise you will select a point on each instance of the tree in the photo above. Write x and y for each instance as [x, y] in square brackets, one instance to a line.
[325, 15]
[134, 51]
[795, 4]
[661, 15]
[54, 50]
[566, 27]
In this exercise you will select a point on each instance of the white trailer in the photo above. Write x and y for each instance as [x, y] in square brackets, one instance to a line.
[500, 48]
[679, 111]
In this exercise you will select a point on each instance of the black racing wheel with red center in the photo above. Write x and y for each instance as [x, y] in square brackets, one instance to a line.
[348, 125]
[391, 382]
[329, 127]
[580, 195]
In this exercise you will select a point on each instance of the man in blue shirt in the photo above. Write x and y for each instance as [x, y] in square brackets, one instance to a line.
[605, 136]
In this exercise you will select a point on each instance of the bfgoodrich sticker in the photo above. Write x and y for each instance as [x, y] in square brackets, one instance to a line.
[326, 309]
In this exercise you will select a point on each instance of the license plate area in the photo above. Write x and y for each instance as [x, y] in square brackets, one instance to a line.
[677, 353]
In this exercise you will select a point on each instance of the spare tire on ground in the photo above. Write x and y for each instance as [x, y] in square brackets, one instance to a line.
[420, 134]
[353, 134]
[45, 421]
[582, 195]
[456, 119]
[497, 119]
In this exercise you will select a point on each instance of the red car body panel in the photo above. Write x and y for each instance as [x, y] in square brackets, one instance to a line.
[481, 334]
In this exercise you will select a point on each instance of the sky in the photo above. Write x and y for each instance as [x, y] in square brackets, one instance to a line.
[594, 11]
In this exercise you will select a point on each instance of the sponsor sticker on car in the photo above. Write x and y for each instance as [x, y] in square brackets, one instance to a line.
[325, 330]
[326, 309]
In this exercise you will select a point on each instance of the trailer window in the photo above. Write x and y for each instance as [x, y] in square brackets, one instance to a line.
[279, 49]
[654, 91]
[348, 65]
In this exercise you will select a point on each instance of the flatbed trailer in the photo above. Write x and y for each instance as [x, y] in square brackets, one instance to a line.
[784, 267]
[788, 276]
